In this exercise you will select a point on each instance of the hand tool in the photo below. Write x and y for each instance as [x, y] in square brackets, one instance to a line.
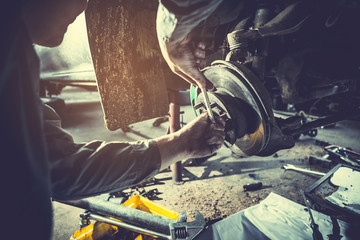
[341, 154]
[182, 230]
[252, 186]
[132, 219]
[207, 104]
[316, 233]
[292, 167]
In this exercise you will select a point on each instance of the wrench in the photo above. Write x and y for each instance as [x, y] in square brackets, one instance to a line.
[292, 167]
[182, 230]
[207, 105]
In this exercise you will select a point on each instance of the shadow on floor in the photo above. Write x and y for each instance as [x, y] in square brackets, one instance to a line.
[225, 169]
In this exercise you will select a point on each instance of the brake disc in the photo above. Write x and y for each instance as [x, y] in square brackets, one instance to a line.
[241, 99]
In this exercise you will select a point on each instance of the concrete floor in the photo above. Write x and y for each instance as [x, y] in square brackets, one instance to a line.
[215, 188]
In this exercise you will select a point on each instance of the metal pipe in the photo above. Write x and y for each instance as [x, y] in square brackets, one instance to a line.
[128, 226]
[133, 216]
[174, 125]
[262, 16]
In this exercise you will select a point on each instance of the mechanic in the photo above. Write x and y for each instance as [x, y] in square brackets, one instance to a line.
[40, 159]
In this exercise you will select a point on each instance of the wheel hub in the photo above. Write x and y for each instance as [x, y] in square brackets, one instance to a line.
[236, 100]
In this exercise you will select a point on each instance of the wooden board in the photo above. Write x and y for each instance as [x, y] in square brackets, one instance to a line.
[129, 67]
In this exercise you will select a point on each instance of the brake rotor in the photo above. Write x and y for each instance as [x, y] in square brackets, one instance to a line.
[236, 99]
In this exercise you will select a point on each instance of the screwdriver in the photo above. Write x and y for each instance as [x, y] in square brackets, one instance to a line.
[316, 233]
[207, 105]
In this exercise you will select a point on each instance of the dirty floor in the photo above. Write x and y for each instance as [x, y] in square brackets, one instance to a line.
[215, 187]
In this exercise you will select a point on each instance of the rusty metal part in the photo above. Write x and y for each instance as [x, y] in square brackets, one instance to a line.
[335, 155]
[252, 186]
[128, 215]
[343, 155]
[174, 125]
[262, 15]
[321, 161]
[321, 122]
[316, 233]
[138, 221]
[131, 227]
[243, 101]
[84, 219]
[289, 20]
[318, 192]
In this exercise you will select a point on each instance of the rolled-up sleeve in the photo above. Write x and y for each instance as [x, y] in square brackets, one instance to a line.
[175, 19]
[83, 170]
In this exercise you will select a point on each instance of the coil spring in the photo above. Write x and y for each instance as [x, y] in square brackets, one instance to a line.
[180, 233]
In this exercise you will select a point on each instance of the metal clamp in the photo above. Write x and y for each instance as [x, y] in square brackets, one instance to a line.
[84, 219]
[182, 230]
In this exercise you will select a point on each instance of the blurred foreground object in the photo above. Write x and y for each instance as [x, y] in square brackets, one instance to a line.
[128, 63]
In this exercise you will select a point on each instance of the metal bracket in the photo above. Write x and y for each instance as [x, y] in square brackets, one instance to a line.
[215, 106]
[84, 219]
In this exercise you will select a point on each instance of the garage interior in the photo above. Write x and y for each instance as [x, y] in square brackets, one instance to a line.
[123, 102]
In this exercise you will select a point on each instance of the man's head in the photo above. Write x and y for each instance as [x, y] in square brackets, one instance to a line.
[47, 20]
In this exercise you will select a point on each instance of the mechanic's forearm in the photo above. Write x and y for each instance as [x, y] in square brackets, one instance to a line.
[171, 149]
[99, 167]
[83, 170]
[176, 18]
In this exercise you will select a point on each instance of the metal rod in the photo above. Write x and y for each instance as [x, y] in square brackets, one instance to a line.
[174, 125]
[133, 216]
[128, 226]
[321, 122]
[207, 104]
[297, 169]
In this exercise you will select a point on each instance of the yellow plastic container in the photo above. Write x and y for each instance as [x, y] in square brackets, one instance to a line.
[95, 231]
[99, 230]
[144, 204]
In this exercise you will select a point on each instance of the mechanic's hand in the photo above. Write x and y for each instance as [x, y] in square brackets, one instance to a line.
[202, 138]
[184, 58]
[199, 138]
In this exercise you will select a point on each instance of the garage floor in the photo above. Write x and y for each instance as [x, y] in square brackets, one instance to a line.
[215, 187]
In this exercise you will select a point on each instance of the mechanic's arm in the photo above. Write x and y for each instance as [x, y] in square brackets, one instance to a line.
[175, 20]
[83, 170]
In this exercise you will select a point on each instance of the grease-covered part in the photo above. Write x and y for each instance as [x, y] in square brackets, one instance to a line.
[129, 67]
[243, 102]
[337, 193]
[252, 186]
